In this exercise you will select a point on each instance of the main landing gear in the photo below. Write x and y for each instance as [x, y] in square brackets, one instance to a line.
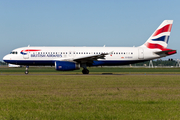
[85, 71]
[26, 72]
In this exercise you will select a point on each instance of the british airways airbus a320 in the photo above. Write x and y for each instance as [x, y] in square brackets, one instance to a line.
[72, 58]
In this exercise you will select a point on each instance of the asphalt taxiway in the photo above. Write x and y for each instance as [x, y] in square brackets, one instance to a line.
[85, 74]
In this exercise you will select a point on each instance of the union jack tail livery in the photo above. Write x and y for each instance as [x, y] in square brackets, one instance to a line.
[159, 39]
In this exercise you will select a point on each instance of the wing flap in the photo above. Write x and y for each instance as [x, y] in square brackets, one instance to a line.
[91, 57]
[88, 58]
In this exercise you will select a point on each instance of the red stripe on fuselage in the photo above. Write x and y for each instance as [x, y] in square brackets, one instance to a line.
[31, 50]
[166, 28]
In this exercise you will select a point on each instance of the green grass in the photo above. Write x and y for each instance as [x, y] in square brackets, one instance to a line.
[89, 97]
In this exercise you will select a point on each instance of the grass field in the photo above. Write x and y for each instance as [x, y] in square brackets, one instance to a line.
[90, 97]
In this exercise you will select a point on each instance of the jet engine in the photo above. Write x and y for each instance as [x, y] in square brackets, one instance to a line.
[66, 65]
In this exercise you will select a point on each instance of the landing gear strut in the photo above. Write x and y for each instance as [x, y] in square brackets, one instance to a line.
[85, 71]
[26, 72]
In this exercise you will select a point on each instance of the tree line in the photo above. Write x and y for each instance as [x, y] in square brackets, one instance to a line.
[169, 62]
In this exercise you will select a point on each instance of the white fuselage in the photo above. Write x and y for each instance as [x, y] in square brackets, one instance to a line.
[47, 55]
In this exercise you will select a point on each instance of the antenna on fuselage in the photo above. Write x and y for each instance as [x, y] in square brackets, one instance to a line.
[104, 46]
[28, 45]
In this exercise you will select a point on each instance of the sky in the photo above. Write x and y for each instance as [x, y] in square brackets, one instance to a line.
[120, 23]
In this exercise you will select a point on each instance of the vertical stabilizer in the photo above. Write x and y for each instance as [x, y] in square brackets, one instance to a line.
[159, 39]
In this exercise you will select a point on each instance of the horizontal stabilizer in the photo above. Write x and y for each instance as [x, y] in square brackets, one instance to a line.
[168, 52]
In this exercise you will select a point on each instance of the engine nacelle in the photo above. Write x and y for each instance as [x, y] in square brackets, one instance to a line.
[66, 65]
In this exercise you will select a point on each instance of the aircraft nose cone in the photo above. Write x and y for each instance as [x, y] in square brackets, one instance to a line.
[6, 58]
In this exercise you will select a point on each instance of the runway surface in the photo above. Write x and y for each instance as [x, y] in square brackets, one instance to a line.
[85, 74]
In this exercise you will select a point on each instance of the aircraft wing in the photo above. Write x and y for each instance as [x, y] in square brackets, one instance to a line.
[91, 58]
[86, 59]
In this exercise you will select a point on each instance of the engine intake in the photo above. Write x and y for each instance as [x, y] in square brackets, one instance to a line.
[66, 65]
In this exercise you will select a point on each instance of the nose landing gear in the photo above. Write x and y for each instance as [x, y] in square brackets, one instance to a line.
[26, 72]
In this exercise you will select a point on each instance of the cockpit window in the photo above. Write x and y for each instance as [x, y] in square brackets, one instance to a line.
[14, 52]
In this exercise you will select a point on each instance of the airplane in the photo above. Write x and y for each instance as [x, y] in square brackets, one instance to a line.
[72, 58]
